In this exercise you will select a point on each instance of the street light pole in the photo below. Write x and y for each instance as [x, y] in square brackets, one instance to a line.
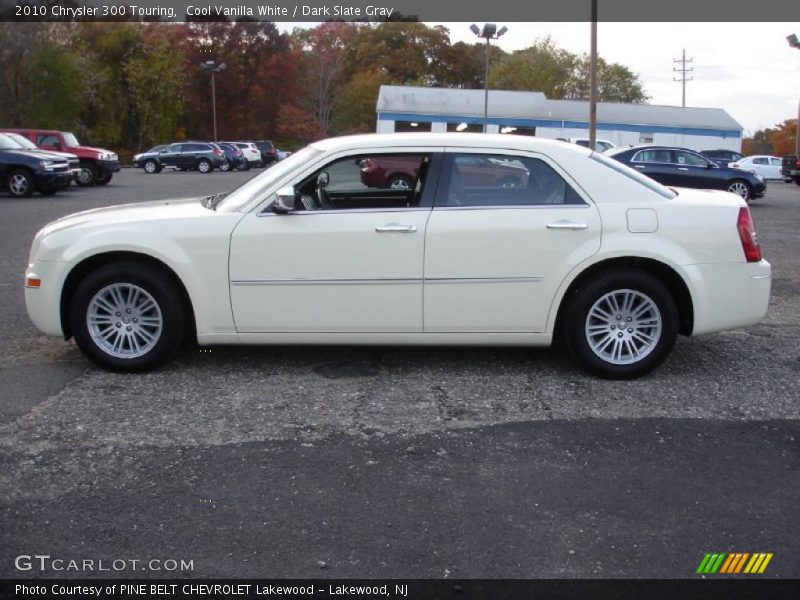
[213, 68]
[593, 79]
[795, 43]
[489, 32]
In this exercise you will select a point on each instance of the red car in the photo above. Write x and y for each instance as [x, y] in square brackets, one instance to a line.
[400, 172]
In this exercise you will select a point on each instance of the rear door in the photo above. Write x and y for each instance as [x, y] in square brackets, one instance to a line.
[658, 164]
[495, 255]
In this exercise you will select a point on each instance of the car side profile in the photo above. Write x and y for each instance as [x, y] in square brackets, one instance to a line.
[587, 252]
[200, 156]
[687, 168]
[769, 167]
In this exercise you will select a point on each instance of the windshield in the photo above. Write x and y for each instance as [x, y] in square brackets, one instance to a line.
[22, 141]
[634, 174]
[6, 143]
[252, 187]
[70, 140]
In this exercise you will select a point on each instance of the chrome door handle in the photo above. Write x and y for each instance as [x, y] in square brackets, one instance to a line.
[639, 166]
[396, 228]
[683, 169]
[574, 225]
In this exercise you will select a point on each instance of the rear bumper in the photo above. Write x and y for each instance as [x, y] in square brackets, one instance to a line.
[728, 296]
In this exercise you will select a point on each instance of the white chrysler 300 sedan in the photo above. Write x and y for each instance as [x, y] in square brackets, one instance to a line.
[497, 240]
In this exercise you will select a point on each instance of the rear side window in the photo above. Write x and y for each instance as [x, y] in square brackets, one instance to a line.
[653, 156]
[625, 170]
[502, 180]
[47, 140]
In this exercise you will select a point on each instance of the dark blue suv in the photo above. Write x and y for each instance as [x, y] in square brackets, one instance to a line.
[24, 171]
[679, 167]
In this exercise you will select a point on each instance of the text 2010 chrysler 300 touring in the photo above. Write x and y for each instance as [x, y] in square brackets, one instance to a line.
[586, 250]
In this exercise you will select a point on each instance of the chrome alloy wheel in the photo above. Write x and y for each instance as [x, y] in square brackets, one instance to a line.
[18, 184]
[124, 320]
[739, 188]
[623, 327]
[399, 184]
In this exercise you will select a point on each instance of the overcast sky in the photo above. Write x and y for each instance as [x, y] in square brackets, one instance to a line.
[748, 69]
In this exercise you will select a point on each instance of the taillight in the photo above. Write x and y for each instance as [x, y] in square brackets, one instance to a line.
[747, 233]
[218, 152]
[366, 164]
[797, 162]
[735, 165]
[272, 151]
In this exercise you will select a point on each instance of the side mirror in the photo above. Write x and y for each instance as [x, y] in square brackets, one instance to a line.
[284, 201]
[323, 179]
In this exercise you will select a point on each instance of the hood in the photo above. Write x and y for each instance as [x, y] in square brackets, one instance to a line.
[129, 213]
[36, 154]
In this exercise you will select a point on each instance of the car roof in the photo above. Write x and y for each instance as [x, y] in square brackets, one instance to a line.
[489, 141]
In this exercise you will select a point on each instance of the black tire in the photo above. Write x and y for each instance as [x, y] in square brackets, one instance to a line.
[104, 179]
[244, 165]
[225, 166]
[797, 180]
[399, 182]
[19, 183]
[165, 295]
[204, 165]
[151, 166]
[576, 321]
[741, 188]
[88, 175]
[49, 191]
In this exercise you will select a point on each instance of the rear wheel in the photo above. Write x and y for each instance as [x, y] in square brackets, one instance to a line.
[244, 165]
[20, 183]
[204, 166]
[225, 166]
[797, 180]
[127, 317]
[622, 324]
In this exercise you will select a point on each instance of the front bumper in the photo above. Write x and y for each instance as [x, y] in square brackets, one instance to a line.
[759, 189]
[44, 303]
[47, 180]
[106, 167]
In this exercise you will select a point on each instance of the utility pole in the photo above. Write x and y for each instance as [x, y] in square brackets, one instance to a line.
[683, 71]
[593, 79]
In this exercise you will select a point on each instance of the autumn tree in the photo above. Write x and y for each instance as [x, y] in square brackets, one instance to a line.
[783, 137]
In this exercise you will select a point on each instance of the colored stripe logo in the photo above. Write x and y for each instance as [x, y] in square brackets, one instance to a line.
[734, 562]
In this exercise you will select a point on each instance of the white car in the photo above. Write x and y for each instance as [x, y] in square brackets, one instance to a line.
[599, 145]
[588, 251]
[769, 167]
[250, 152]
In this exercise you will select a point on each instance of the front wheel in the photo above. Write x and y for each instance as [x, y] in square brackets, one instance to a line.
[20, 183]
[127, 317]
[87, 175]
[622, 324]
[104, 179]
[740, 188]
[797, 180]
[151, 166]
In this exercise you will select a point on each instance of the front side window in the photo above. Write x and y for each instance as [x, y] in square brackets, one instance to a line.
[365, 182]
[502, 180]
[48, 140]
[760, 161]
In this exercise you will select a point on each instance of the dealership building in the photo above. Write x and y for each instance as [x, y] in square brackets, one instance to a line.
[405, 108]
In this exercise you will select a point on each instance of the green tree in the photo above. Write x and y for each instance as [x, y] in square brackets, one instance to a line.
[155, 79]
[355, 108]
[56, 94]
[559, 74]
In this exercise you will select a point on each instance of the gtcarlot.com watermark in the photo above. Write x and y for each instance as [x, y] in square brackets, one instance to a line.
[47, 563]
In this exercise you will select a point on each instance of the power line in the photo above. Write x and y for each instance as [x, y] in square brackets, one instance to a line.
[683, 71]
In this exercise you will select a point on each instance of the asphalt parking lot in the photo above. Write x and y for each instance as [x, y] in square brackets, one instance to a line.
[398, 462]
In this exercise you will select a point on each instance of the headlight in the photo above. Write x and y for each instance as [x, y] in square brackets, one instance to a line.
[136, 157]
[759, 176]
[108, 156]
[47, 165]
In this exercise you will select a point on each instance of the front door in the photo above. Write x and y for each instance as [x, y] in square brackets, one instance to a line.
[348, 259]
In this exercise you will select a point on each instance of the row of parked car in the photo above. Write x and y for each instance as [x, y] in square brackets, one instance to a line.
[46, 161]
[207, 156]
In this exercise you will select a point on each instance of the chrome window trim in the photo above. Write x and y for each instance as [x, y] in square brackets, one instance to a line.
[338, 211]
[513, 207]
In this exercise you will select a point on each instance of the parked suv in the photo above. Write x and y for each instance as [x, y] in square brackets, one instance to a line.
[269, 153]
[26, 144]
[203, 156]
[97, 165]
[25, 171]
